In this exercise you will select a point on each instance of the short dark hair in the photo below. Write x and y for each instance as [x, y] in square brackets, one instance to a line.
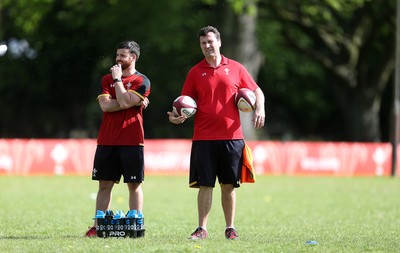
[205, 30]
[132, 46]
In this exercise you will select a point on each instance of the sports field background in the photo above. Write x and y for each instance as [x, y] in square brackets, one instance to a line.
[276, 214]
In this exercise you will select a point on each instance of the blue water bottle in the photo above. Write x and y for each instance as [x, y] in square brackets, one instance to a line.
[118, 224]
[108, 221]
[130, 223]
[100, 228]
[140, 224]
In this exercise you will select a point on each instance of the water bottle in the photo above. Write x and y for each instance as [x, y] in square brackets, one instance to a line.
[130, 223]
[118, 224]
[109, 215]
[101, 227]
[140, 224]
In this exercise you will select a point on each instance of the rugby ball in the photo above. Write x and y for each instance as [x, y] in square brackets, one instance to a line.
[184, 106]
[245, 100]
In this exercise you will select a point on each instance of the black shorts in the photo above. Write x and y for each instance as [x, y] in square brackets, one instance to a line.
[220, 159]
[112, 162]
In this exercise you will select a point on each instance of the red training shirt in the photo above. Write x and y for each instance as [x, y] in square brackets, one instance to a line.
[124, 127]
[214, 89]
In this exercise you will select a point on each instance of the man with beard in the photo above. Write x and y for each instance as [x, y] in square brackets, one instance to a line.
[120, 141]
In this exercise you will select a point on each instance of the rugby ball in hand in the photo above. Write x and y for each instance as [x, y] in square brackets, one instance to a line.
[184, 106]
[245, 100]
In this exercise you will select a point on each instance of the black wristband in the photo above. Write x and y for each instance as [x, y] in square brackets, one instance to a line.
[117, 80]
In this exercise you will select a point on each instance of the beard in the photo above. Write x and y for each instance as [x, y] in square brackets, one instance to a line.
[124, 65]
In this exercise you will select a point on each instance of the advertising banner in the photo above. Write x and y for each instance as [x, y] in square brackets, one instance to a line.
[172, 156]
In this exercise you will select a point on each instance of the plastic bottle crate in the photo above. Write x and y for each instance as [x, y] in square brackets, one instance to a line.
[119, 225]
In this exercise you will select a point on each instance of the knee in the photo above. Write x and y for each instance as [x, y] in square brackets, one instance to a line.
[134, 186]
[227, 188]
[106, 186]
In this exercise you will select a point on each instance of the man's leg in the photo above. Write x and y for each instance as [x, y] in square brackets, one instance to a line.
[104, 196]
[135, 196]
[204, 203]
[228, 200]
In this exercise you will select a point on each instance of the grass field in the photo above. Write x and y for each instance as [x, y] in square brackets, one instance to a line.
[276, 214]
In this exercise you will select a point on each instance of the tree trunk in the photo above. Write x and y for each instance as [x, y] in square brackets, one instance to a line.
[360, 109]
[248, 54]
[362, 118]
[239, 41]
[356, 53]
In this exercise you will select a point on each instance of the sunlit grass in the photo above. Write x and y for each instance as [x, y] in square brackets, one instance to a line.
[276, 214]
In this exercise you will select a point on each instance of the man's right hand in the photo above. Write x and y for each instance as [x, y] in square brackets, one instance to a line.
[174, 119]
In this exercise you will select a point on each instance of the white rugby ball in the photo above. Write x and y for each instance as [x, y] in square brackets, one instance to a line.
[245, 100]
[184, 106]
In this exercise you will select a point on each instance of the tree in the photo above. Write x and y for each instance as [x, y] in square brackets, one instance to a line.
[237, 22]
[54, 93]
[354, 42]
[323, 64]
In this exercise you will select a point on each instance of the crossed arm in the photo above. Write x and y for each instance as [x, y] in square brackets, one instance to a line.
[108, 104]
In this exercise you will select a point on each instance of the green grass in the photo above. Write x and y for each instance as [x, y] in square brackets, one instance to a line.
[276, 214]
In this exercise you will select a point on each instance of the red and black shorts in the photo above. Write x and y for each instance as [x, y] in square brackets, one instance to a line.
[112, 162]
[214, 159]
